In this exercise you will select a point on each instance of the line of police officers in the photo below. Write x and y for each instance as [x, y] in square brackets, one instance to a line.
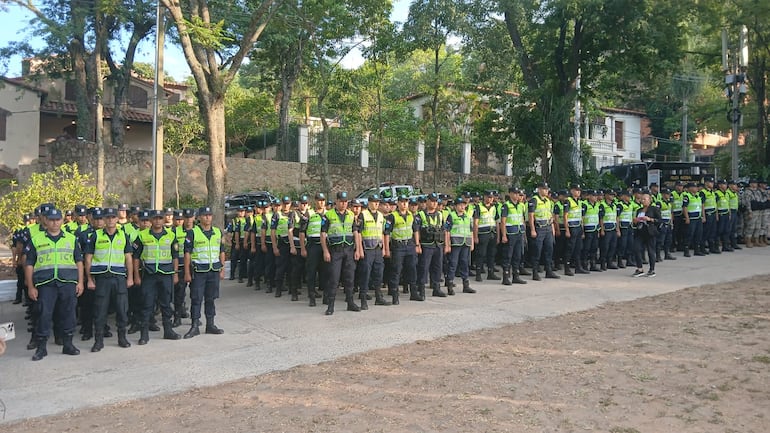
[106, 261]
[94, 261]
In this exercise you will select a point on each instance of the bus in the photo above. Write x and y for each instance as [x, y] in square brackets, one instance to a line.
[637, 174]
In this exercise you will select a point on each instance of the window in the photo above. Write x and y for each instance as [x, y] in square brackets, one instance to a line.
[137, 97]
[3, 123]
[70, 93]
[619, 135]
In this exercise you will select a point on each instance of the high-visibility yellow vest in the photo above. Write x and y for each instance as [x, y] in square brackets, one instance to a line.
[109, 254]
[543, 211]
[402, 227]
[371, 233]
[514, 221]
[205, 252]
[591, 218]
[340, 231]
[55, 260]
[156, 253]
[461, 233]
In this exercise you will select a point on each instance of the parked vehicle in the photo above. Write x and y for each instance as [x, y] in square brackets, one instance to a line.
[235, 201]
[388, 190]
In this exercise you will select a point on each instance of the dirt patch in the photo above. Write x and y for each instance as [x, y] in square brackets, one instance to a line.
[7, 271]
[697, 360]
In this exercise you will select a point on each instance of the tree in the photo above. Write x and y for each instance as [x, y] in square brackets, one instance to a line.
[183, 130]
[214, 51]
[64, 186]
[247, 113]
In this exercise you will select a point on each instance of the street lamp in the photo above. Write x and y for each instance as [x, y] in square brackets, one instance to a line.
[734, 63]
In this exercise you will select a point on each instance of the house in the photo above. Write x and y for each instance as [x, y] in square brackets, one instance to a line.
[44, 110]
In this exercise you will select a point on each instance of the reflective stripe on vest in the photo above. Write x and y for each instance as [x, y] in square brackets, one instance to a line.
[487, 217]
[339, 232]
[626, 214]
[156, 253]
[282, 228]
[109, 254]
[665, 211]
[723, 202]
[678, 203]
[514, 221]
[575, 213]
[371, 233]
[462, 231]
[543, 211]
[694, 205]
[205, 251]
[181, 235]
[710, 202]
[733, 199]
[314, 225]
[610, 216]
[430, 230]
[402, 228]
[55, 260]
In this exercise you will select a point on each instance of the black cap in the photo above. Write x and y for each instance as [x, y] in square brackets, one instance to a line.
[574, 186]
[413, 200]
[155, 213]
[433, 196]
[188, 213]
[110, 212]
[709, 179]
[466, 194]
[342, 195]
[490, 193]
[81, 210]
[145, 214]
[542, 185]
[68, 213]
[374, 197]
[459, 200]
[356, 202]
[624, 192]
[320, 196]
[136, 209]
[609, 191]
[205, 210]
[330, 202]
[178, 215]
[54, 214]
[123, 206]
[96, 212]
[722, 182]
[653, 184]
[678, 183]
[304, 199]
[665, 190]
[403, 197]
[286, 199]
[562, 192]
[169, 211]
[690, 185]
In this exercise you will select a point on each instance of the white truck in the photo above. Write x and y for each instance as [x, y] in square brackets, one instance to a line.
[388, 190]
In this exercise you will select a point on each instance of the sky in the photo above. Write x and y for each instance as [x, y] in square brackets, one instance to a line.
[16, 27]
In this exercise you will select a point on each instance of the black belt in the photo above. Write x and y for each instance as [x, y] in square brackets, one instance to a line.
[486, 230]
[339, 247]
[405, 242]
[727, 212]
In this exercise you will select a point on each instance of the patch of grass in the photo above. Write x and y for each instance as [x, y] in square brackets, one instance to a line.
[764, 359]
[644, 377]
[692, 331]
[624, 430]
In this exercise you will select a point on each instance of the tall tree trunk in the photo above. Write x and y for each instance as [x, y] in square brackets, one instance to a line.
[101, 42]
[214, 118]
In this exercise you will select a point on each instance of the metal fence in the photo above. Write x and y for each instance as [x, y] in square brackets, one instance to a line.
[344, 146]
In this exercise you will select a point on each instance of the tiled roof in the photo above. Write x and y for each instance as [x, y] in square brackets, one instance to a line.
[70, 108]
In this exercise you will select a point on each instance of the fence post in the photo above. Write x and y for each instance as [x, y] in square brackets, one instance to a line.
[303, 143]
[420, 155]
[509, 165]
[365, 150]
[466, 158]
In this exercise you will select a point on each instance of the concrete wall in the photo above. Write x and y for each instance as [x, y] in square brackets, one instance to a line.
[22, 126]
[129, 173]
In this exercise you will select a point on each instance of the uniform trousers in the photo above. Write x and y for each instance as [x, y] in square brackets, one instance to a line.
[542, 245]
[574, 249]
[429, 265]
[734, 227]
[234, 260]
[156, 289]
[625, 243]
[608, 245]
[282, 262]
[110, 289]
[680, 231]
[665, 236]
[459, 262]
[256, 265]
[723, 229]
[340, 270]
[591, 245]
[710, 230]
[314, 267]
[403, 261]
[180, 291]
[485, 250]
[269, 260]
[695, 233]
[204, 288]
[58, 297]
[512, 251]
[369, 271]
[85, 304]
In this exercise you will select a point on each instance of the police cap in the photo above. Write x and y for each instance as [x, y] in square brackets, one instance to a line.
[169, 211]
[110, 212]
[205, 210]
[157, 213]
[81, 210]
[709, 179]
[188, 213]
[342, 195]
[178, 215]
[402, 197]
[53, 214]
[374, 197]
[433, 196]
[665, 190]
[574, 186]
[97, 213]
[304, 199]
[459, 200]
[286, 199]
[320, 196]
[722, 182]
[123, 206]
[542, 185]
[356, 203]
[144, 214]
[68, 213]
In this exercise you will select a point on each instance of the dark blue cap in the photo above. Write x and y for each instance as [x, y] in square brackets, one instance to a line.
[188, 213]
[356, 202]
[413, 200]
[320, 196]
[68, 213]
[136, 209]
[205, 210]
[374, 197]
[304, 199]
[402, 197]
[54, 214]
[122, 206]
[286, 199]
[155, 213]
[97, 212]
[80, 210]
[169, 211]
[178, 215]
[433, 196]
[459, 200]
[110, 211]
[342, 195]
[144, 214]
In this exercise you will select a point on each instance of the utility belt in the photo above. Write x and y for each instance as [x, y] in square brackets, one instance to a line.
[677, 213]
[625, 225]
[710, 211]
[283, 240]
[611, 226]
[665, 223]
[340, 247]
[573, 224]
[514, 230]
[486, 230]
[402, 243]
[314, 240]
[724, 211]
[693, 214]
[589, 229]
[542, 223]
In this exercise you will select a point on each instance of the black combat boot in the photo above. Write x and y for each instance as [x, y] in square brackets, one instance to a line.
[294, 293]
[194, 330]
[550, 274]
[437, 291]
[467, 287]
[40, 351]
[516, 279]
[686, 252]
[184, 314]
[414, 292]
[329, 306]
[168, 332]
[594, 266]
[394, 296]
[69, 348]
[379, 299]
[536, 276]
[177, 320]
[122, 340]
[144, 335]
[491, 275]
[212, 328]
[568, 270]
[506, 276]
[668, 255]
[479, 273]
[524, 271]
[98, 342]
[364, 303]
[134, 328]
[450, 288]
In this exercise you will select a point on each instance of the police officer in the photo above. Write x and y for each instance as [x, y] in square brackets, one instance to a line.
[54, 275]
[734, 202]
[108, 270]
[626, 212]
[267, 245]
[235, 230]
[560, 245]
[573, 230]
[512, 229]
[486, 219]
[204, 256]
[665, 229]
[430, 222]
[135, 298]
[86, 301]
[281, 233]
[723, 213]
[371, 227]
[692, 209]
[458, 245]
[404, 247]
[310, 241]
[610, 230]
[156, 255]
[679, 228]
[184, 220]
[541, 225]
[710, 225]
[340, 252]
[592, 226]
[256, 262]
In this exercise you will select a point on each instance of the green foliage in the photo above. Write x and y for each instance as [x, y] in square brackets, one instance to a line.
[591, 179]
[479, 186]
[183, 129]
[65, 187]
[187, 201]
[248, 112]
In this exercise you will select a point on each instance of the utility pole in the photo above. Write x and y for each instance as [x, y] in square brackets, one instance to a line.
[735, 60]
[157, 125]
[686, 86]
[577, 161]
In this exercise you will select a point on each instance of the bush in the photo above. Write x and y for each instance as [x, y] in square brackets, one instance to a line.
[479, 186]
[65, 187]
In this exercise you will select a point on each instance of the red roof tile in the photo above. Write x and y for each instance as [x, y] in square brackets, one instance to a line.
[70, 108]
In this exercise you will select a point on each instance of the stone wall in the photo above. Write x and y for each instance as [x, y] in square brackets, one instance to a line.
[129, 173]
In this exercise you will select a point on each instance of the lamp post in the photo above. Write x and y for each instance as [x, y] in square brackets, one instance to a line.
[734, 63]
[156, 200]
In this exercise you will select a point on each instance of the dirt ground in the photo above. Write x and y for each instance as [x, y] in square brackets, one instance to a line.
[7, 271]
[697, 360]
